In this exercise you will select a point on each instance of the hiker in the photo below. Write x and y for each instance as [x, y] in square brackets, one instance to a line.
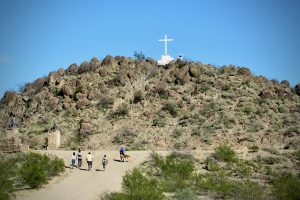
[89, 159]
[122, 153]
[73, 158]
[104, 162]
[79, 157]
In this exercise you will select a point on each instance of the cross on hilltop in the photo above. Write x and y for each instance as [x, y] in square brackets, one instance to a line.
[165, 59]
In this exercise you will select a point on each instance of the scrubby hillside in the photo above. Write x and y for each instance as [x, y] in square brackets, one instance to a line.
[183, 106]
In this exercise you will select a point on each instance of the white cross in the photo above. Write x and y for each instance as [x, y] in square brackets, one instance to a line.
[166, 44]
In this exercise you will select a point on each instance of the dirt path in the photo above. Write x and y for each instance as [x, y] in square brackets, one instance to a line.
[82, 184]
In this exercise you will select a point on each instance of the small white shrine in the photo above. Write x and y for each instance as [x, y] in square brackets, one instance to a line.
[165, 59]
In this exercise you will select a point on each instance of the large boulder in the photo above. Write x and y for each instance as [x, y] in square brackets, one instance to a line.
[37, 85]
[109, 61]
[285, 83]
[84, 67]
[72, 69]
[82, 104]
[95, 63]
[297, 89]
[67, 90]
[194, 70]
[243, 71]
[9, 98]
[85, 127]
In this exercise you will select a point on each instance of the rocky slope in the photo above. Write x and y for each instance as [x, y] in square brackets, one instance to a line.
[184, 106]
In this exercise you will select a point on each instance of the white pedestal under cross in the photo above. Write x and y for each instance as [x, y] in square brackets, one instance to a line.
[165, 59]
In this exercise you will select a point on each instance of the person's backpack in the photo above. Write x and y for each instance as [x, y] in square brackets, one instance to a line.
[104, 161]
[122, 150]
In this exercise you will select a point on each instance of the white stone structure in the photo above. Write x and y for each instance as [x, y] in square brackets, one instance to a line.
[165, 59]
[53, 140]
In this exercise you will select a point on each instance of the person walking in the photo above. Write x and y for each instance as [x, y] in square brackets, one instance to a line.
[73, 159]
[79, 157]
[89, 159]
[122, 153]
[104, 162]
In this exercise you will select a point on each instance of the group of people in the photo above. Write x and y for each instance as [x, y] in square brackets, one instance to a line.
[89, 159]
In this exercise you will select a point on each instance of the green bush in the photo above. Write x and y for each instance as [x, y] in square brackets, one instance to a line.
[6, 181]
[254, 148]
[218, 182]
[174, 165]
[171, 108]
[136, 186]
[287, 187]
[185, 194]
[121, 111]
[212, 165]
[158, 121]
[37, 169]
[225, 153]
[137, 97]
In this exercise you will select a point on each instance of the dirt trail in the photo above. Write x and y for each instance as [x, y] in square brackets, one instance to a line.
[82, 184]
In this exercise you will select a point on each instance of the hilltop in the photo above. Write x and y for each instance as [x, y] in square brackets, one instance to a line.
[184, 105]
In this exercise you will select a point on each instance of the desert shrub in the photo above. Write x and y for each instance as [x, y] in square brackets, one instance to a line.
[176, 169]
[248, 190]
[221, 183]
[137, 96]
[185, 194]
[287, 187]
[270, 160]
[121, 111]
[291, 131]
[254, 148]
[210, 109]
[106, 102]
[37, 169]
[212, 165]
[282, 109]
[173, 165]
[218, 182]
[171, 108]
[136, 186]
[177, 133]
[7, 173]
[158, 121]
[255, 127]
[139, 56]
[248, 110]
[225, 153]
[196, 132]
[297, 154]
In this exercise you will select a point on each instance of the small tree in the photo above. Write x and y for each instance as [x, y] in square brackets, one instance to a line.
[139, 56]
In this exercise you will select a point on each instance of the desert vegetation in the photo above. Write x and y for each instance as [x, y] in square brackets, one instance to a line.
[223, 175]
[30, 170]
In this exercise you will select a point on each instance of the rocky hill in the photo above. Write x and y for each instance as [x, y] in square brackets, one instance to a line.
[183, 105]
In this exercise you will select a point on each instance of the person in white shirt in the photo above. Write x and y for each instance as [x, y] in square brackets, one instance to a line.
[89, 159]
[73, 159]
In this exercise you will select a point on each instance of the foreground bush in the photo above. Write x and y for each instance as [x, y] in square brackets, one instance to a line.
[37, 169]
[175, 170]
[287, 187]
[225, 153]
[136, 186]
